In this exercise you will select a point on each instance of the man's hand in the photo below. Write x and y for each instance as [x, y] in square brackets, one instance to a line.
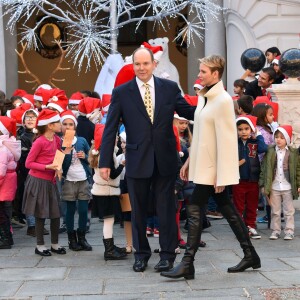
[105, 173]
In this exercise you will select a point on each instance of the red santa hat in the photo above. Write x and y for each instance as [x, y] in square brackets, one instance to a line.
[266, 100]
[98, 134]
[58, 100]
[76, 98]
[28, 98]
[8, 126]
[87, 105]
[251, 120]
[156, 50]
[192, 100]
[125, 74]
[47, 116]
[67, 114]
[276, 60]
[17, 113]
[31, 110]
[287, 131]
[19, 92]
[106, 98]
[198, 84]
[42, 95]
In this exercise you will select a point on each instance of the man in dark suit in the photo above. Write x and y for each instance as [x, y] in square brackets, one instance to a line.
[151, 157]
[258, 86]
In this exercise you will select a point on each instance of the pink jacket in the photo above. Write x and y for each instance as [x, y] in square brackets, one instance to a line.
[10, 152]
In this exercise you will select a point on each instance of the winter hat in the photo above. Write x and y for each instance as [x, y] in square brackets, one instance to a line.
[251, 120]
[122, 135]
[192, 100]
[125, 74]
[178, 146]
[266, 100]
[198, 84]
[27, 111]
[58, 100]
[67, 114]
[156, 50]
[88, 104]
[47, 116]
[28, 98]
[276, 60]
[76, 98]
[106, 98]
[17, 113]
[19, 92]
[42, 95]
[176, 116]
[98, 134]
[287, 131]
[8, 126]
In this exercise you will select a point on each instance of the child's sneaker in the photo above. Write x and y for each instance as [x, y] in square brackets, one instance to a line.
[155, 232]
[253, 233]
[288, 236]
[263, 219]
[149, 231]
[274, 236]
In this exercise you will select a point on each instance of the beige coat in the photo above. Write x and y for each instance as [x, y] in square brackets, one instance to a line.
[214, 149]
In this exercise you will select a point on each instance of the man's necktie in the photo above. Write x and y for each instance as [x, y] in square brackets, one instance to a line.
[148, 102]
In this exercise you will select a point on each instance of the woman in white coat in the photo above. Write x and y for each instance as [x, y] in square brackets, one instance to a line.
[213, 165]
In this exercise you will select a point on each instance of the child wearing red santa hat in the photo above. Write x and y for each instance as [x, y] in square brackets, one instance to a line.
[280, 181]
[41, 197]
[75, 185]
[10, 152]
[246, 193]
[105, 193]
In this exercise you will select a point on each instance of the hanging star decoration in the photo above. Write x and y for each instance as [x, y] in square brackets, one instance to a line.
[89, 23]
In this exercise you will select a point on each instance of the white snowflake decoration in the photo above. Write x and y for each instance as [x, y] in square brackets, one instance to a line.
[90, 25]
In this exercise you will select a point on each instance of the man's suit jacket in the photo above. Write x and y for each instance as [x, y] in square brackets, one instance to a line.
[253, 89]
[145, 142]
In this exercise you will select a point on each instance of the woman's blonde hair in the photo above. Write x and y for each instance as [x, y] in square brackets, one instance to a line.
[214, 62]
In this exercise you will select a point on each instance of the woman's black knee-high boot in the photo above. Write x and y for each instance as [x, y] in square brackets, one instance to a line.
[251, 258]
[186, 266]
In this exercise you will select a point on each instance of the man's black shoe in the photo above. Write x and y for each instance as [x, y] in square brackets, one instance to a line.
[163, 265]
[140, 265]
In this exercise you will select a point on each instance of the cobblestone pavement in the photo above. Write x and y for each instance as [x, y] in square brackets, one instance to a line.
[85, 275]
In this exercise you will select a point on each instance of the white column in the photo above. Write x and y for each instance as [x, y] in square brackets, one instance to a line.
[2, 55]
[193, 54]
[215, 36]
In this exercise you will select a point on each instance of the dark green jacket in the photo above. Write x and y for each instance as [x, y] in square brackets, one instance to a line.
[267, 173]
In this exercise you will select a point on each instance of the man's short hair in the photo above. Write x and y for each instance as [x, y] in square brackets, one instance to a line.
[214, 62]
[271, 72]
[246, 103]
[140, 48]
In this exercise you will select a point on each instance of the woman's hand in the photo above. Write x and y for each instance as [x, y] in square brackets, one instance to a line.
[184, 170]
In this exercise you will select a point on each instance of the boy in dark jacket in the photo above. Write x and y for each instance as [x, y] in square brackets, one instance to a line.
[246, 193]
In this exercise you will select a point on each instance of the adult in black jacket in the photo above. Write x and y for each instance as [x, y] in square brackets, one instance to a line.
[151, 158]
[258, 87]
